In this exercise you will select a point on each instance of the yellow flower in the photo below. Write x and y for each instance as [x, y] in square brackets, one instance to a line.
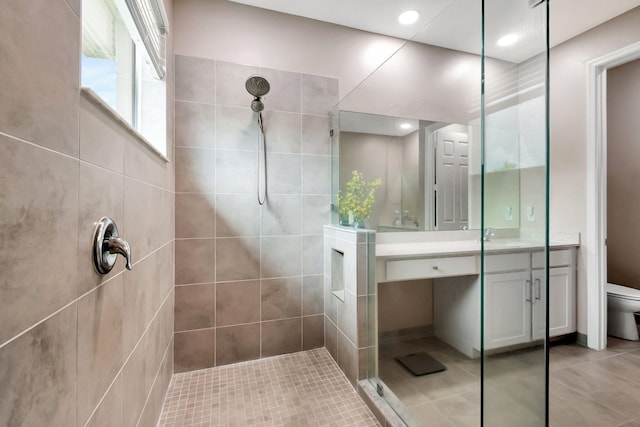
[358, 198]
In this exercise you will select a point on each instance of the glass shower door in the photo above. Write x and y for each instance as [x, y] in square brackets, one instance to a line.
[514, 214]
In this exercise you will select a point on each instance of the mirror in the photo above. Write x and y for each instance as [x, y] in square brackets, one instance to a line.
[429, 170]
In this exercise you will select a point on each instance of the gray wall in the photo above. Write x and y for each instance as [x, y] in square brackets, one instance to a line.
[76, 346]
[249, 278]
[623, 174]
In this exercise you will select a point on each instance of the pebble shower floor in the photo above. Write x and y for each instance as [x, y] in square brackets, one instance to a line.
[300, 389]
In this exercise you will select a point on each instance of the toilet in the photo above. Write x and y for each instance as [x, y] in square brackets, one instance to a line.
[622, 302]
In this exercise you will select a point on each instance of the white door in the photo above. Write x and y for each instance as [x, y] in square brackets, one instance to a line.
[451, 180]
[507, 309]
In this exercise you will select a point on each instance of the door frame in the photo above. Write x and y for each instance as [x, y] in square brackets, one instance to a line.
[596, 260]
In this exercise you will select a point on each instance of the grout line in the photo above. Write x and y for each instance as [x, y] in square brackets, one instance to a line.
[33, 144]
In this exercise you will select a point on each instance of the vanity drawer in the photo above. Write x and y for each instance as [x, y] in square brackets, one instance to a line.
[427, 268]
[557, 258]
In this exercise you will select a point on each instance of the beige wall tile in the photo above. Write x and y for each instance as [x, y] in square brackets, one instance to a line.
[282, 132]
[312, 260]
[281, 298]
[347, 317]
[147, 217]
[312, 295]
[281, 215]
[40, 367]
[109, 413]
[230, 83]
[102, 141]
[195, 79]
[145, 165]
[285, 90]
[195, 125]
[94, 205]
[348, 358]
[194, 350]
[142, 367]
[281, 336]
[283, 173]
[232, 164]
[315, 214]
[195, 170]
[319, 94]
[99, 343]
[237, 215]
[195, 307]
[316, 174]
[195, 262]
[312, 332]
[237, 127]
[145, 288]
[195, 215]
[237, 302]
[315, 135]
[153, 408]
[39, 205]
[280, 256]
[331, 337]
[237, 343]
[39, 104]
[237, 259]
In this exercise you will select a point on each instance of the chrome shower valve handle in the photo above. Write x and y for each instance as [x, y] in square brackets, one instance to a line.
[107, 245]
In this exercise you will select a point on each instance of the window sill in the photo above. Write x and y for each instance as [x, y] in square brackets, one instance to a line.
[94, 99]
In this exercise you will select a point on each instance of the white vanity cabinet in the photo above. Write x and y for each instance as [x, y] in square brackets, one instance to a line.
[515, 300]
[562, 293]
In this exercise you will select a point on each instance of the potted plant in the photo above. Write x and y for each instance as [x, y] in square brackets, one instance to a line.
[355, 203]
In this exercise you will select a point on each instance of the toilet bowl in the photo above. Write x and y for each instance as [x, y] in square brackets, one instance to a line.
[622, 302]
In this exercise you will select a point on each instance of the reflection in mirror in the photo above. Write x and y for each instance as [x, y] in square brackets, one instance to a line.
[427, 182]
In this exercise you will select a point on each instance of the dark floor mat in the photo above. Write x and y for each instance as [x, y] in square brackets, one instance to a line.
[421, 363]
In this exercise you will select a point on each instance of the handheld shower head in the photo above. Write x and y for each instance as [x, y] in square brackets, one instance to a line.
[257, 86]
[257, 105]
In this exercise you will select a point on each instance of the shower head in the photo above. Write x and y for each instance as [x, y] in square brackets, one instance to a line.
[257, 86]
[257, 105]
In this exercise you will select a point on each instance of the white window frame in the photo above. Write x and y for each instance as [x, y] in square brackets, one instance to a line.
[146, 22]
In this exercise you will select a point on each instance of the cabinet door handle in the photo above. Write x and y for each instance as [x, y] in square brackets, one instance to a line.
[538, 284]
[527, 290]
[435, 267]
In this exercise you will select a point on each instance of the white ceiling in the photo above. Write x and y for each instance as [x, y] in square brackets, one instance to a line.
[376, 124]
[455, 24]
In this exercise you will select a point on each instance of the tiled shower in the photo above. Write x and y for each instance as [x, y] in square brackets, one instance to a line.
[249, 278]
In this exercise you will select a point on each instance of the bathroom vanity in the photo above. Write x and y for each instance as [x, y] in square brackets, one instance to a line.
[514, 291]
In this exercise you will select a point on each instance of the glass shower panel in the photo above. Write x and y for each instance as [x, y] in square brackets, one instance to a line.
[415, 124]
[514, 213]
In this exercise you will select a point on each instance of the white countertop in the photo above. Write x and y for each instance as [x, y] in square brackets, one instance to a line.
[463, 247]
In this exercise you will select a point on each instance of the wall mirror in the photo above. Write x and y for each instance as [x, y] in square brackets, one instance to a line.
[430, 170]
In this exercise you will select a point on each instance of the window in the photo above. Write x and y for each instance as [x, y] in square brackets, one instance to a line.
[123, 62]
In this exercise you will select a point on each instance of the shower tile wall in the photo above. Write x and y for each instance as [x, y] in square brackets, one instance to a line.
[249, 278]
[76, 348]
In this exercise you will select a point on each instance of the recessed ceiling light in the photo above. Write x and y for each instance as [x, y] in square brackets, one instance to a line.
[508, 40]
[405, 126]
[409, 17]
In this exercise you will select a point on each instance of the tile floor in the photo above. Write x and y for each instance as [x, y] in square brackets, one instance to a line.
[587, 388]
[299, 389]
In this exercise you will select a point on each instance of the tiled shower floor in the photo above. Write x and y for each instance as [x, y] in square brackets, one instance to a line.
[300, 389]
